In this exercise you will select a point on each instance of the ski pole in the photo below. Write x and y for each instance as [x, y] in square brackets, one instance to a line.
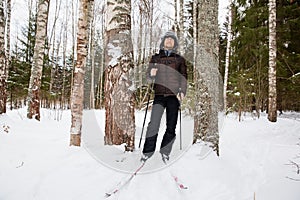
[148, 100]
[180, 119]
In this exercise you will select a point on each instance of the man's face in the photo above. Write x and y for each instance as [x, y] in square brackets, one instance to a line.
[169, 43]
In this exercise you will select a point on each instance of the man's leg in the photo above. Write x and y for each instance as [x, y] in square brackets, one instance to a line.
[153, 127]
[172, 107]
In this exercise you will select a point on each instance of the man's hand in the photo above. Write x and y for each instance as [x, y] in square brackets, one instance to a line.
[180, 96]
[153, 72]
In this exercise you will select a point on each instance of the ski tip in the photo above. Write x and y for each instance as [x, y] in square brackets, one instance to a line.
[110, 194]
[107, 195]
[183, 187]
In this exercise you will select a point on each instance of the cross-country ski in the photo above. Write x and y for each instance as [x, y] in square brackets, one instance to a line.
[125, 182]
[179, 183]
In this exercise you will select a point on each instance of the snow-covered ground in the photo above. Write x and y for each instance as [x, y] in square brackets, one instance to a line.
[256, 161]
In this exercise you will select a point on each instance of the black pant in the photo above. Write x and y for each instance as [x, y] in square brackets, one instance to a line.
[171, 104]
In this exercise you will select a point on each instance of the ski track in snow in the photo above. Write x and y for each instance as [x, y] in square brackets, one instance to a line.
[255, 154]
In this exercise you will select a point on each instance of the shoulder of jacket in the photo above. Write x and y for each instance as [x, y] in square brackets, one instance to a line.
[179, 56]
[155, 56]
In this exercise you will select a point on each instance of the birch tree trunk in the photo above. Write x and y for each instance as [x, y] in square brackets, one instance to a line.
[78, 82]
[272, 108]
[92, 56]
[38, 58]
[207, 82]
[101, 71]
[181, 27]
[195, 38]
[227, 57]
[65, 44]
[74, 16]
[29, 43]
[8, 20]
[53, 35]
[3, 96]
[176, 17]
[139, 67]
[119, 100]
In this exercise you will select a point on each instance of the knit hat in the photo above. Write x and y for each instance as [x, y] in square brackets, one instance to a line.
[172, 35]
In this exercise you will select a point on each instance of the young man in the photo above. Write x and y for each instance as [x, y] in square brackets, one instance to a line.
[168, 71]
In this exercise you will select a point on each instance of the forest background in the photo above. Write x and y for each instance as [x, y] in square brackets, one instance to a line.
[248, 62]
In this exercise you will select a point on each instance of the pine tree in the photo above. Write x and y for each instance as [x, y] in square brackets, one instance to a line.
[247, 88]
[119, 99]
[19, 72]
[288, 56]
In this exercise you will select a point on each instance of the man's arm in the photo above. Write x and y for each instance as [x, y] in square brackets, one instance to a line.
[151, 70]
[183, 80]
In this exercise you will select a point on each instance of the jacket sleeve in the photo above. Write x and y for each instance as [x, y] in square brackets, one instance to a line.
[183, 81]
[152, 64]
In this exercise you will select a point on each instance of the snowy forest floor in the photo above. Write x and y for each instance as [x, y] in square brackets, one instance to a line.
[258, 160]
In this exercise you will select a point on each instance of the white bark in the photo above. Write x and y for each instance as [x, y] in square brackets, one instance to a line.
[78, 84]
[8, 20]
[272, 110]
[181, 27]
[92, 52]
[53, 40]
[195, 39]
[119, 100]
[38, 58]
[2, 60]
[65, 44]
[227, 57]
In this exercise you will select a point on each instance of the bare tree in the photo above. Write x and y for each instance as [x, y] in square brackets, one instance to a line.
[3, 96]
[92, 56]
[119, 100]
[38, 58]
[207, 80]
[272, 108]
[65, 44]
[195, 37]
[74, 29]
[52, 39]
[181, 27]
[78, 82]
[8, 20]
[101, 71]
[227, 57]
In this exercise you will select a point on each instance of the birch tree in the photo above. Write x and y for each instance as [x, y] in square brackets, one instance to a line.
[119, 100]
[37, 65]
[2, 60]
[181, 27]
[65, 44]
[227, 57]
[8, 20]
[52, 39]
[92, 47]
[78, 82]
[102, 64]
[207, 79]
[272, 110]
[74, 29]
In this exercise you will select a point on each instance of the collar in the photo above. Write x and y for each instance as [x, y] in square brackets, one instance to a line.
[163, 53]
